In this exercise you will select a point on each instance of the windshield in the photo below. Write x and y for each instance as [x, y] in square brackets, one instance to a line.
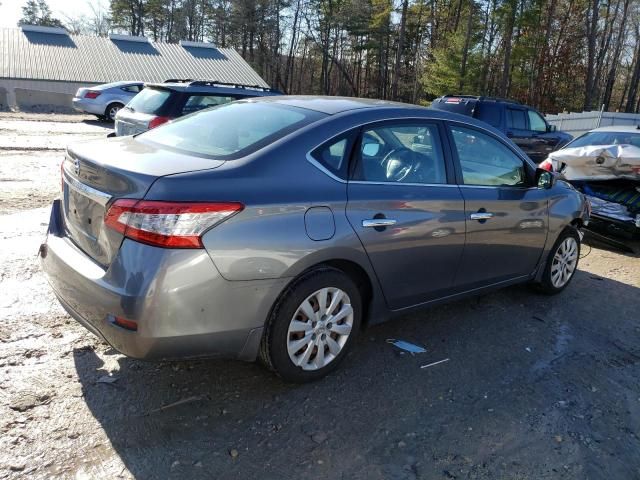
[149, 100]
[231, 130]
[606, 138]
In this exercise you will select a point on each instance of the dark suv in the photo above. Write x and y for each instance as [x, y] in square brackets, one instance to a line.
[524, 125]
[160, 102]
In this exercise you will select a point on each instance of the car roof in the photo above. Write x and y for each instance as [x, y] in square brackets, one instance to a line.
[333, 105]
[197, 86]
[105, 86]
[618, 128]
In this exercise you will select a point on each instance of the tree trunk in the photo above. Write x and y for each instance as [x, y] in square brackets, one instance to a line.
[396, 69]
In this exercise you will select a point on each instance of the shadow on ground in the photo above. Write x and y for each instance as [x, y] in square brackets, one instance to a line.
[536, 387]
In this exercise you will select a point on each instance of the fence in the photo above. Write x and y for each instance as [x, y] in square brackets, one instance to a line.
[578, 123]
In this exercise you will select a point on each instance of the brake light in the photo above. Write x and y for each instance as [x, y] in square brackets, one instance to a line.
[546, 165]
[168, 224]
[92, 94]
[157, 121]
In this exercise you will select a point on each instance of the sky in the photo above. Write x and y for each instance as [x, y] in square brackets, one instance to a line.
[11, 10]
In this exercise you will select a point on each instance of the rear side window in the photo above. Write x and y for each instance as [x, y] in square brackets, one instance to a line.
[334, 155]
[516, 119]
[132, 88]
[232, 130]
[486, 161]
[149, 100]
[200, 102]
[488, 112]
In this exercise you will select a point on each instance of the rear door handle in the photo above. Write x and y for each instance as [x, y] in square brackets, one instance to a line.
[378, 222]
[481, 216]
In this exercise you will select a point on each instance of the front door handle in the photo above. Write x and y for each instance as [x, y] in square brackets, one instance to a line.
[481, 216]
[378, 222]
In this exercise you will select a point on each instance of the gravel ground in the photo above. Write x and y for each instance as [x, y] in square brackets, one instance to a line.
[535, 387]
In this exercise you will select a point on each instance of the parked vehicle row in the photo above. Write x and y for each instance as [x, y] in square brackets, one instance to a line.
[159, 103]
[276, 227]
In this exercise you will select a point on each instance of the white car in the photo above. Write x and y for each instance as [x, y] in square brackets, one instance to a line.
[106, 100]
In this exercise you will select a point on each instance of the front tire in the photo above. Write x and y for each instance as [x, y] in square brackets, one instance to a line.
[312, 325]
[562, 263]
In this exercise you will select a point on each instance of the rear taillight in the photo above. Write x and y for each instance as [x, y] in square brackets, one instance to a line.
[157, 121]
[168, 224]
[92, 94]
[546, 165]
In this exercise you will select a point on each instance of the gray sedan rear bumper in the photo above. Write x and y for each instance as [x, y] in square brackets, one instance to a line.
[182, 306]
[88, 106]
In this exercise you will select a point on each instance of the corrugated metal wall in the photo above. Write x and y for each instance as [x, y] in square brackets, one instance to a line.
[79, 58]
[578, 123]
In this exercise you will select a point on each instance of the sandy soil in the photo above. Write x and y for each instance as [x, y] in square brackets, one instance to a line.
[535, 387]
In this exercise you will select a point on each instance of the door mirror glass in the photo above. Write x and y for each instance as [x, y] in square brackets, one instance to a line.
[551, 128]
[544, 179]
[370, 149]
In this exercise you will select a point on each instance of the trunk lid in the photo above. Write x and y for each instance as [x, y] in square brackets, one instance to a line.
[94, 174]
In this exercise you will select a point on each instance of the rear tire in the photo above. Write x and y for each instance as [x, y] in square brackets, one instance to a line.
[561, 264]
[304, 340]
[111, 111]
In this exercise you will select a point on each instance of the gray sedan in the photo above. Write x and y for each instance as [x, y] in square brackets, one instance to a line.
[278, 227]
[106, 100]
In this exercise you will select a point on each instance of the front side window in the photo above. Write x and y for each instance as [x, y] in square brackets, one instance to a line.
[486, 161]
[536, 122]
[200, 102]
[401, 153]
[516, 118]
[231, 130]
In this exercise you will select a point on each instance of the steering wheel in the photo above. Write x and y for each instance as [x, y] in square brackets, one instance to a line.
[399, 163]
[402, 162]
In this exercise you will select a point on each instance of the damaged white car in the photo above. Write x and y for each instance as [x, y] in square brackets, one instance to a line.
[604, 164]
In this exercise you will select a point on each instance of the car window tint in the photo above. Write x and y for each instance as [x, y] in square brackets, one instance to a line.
[536, 122]
[200, 102]
[488, 112]
[409, 153]
[516, 119]
[132, 88]
[486, 161]
[149, 100]
[333, 155]
[232, 130]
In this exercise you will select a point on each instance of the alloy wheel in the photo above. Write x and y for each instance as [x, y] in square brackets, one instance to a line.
[320, 328]
[564, 262]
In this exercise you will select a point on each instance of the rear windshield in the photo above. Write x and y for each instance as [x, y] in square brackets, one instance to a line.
[149, 100]
[606, 138]
[232, 130]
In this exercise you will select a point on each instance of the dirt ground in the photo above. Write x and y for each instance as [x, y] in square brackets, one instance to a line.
[535, 387]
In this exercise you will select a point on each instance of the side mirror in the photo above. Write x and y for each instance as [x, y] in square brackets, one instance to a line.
[544, 179]
[551, 128]
[370, 149]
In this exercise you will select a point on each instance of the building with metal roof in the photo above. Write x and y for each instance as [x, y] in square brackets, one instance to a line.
[46, 65]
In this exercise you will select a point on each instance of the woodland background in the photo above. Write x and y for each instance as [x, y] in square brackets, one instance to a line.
[557, 55]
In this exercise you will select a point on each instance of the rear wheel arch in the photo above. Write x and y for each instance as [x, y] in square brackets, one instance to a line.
[111, 105]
